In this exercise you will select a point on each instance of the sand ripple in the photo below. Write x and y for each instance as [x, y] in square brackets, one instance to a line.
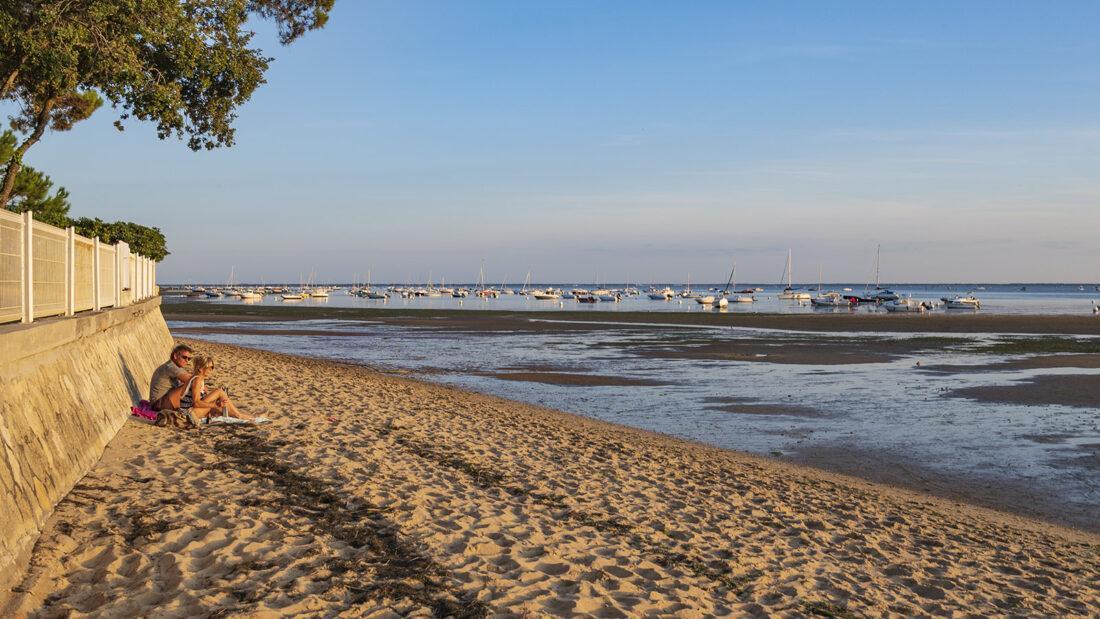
[373, 495]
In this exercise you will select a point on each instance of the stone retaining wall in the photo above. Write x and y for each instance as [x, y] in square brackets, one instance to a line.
[66, 387]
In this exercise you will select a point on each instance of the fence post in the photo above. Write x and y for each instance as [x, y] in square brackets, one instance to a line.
[70, 271]
[95, 274]
[118, 274]
[28, 266]
[152, 278]
[139, 277]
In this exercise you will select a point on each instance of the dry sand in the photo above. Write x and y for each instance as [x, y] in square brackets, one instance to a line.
[373, 495]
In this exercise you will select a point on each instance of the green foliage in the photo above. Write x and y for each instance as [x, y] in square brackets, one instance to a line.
[32, 190]
[148, 242]
[184, 65]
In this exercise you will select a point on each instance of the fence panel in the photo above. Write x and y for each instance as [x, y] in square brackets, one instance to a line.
[82, 277]
[106, 275]
[11, 272]
[49, 270]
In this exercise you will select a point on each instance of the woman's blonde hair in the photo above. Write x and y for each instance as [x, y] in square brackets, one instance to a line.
[201, 361]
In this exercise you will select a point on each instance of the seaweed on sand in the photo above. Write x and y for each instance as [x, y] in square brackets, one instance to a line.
[397, 568]
[716, 571]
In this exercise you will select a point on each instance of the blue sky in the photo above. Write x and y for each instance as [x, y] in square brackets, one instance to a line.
[646, 140]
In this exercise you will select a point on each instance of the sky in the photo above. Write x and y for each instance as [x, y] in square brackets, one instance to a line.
[634, 141]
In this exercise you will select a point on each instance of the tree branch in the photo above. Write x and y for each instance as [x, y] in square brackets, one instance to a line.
[41, 121]
[9, 83]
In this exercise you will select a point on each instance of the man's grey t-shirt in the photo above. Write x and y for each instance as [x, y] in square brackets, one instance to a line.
[163, 380]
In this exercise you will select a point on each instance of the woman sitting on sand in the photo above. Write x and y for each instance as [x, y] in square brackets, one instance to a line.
[202, 404]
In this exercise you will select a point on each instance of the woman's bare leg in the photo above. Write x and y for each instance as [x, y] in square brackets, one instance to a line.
[231, 408]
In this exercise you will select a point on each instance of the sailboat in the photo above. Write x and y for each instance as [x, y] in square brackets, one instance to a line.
[443, 289]
[881, 294]
[526, 283]
[482, 290]
[251, 295]
[789, 293]
[831, 298]
[370, 293]
[296, 296]
[721, 302]
[686, 293]
[739, 298]
[661, 295]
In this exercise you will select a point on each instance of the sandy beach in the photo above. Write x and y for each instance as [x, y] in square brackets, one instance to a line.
[375, 495]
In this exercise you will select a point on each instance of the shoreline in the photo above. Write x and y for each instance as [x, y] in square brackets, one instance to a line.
[479, 504]
[1005, 492]
[1052, 324]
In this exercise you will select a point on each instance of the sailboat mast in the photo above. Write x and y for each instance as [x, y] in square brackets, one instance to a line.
[790, 266]
[729, 281]
[878, 258]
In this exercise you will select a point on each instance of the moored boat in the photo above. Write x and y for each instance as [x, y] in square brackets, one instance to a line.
[905, 305]
[830, 299]
[968, 302]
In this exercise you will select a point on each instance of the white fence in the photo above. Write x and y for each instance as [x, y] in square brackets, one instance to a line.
[47, 271]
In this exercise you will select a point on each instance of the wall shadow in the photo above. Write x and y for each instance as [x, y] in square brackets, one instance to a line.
[136, 393]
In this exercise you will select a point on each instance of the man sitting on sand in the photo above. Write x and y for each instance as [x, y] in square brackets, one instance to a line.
[169, 380]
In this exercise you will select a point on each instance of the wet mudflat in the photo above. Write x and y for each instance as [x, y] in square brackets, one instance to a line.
[1078, 390]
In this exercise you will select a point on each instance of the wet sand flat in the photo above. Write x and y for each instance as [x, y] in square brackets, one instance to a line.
[508, 320]
[789, 410]
[1079, 390]
[658, 343]
[1038, 362]
[776, 350]
[575, 380]
[372, 494]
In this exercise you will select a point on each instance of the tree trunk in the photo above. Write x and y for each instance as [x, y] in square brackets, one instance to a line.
[9, 82]
[16, 162]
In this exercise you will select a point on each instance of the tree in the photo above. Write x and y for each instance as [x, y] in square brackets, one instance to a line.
[184, 65]
[31, 191]
[148, 242]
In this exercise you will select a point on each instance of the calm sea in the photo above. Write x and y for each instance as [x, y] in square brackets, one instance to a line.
[996, 299]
